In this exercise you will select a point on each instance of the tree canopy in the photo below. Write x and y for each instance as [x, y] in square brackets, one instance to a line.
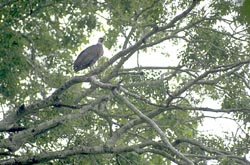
[112, 114]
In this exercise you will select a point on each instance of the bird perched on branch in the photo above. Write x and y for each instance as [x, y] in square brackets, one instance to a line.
[89, 56]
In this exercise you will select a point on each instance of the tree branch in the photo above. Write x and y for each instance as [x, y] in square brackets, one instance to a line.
[154, 125]
[211, 150]
[14, 142]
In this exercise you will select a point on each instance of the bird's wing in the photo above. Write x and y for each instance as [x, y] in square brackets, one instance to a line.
[97, 53]
[86, 58]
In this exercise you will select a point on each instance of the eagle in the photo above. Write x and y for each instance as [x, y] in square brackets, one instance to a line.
[89, 56]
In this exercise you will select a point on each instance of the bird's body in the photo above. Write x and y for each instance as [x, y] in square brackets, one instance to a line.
[88, 56]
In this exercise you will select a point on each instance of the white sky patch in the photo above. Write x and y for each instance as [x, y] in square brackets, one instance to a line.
[155, 58]
[217, 124]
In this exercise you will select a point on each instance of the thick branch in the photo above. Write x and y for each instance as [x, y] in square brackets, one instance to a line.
[9, 122]
[79, 150]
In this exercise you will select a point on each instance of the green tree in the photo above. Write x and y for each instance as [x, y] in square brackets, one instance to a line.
[116, 115]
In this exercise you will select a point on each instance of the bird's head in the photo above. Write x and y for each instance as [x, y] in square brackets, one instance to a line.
[100, 40]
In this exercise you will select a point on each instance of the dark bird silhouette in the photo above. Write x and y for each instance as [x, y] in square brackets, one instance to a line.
[89, 56]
